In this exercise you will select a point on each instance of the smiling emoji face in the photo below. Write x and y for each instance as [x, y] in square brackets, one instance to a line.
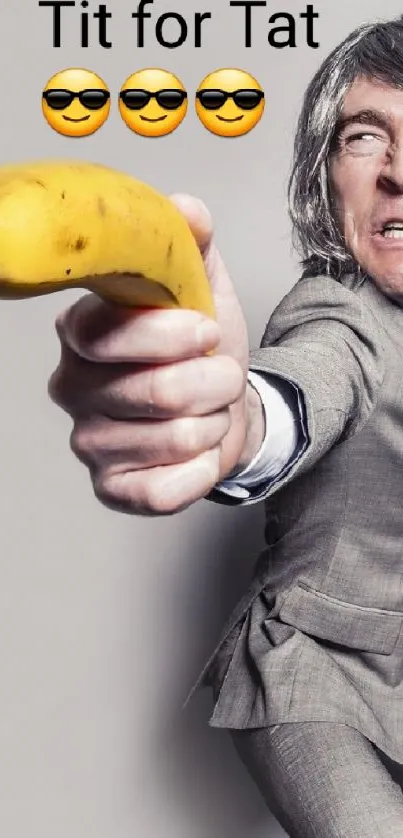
[76, 102]
[229, 102]
[153, 103]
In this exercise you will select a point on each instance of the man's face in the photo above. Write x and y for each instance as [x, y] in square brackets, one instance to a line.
[366, 181]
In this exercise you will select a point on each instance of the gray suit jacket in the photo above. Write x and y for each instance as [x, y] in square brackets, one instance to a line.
[319, 633]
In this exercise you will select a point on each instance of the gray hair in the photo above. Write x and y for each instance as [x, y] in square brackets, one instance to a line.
[373, 50]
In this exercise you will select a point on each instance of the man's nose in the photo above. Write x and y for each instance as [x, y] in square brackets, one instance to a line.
[391, 175]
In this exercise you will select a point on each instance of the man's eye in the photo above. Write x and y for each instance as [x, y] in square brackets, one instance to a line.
[364, 136]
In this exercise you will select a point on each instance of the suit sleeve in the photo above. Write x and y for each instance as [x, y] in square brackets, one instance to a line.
[325, 342]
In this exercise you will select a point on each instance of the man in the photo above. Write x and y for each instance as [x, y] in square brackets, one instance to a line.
[308, 673]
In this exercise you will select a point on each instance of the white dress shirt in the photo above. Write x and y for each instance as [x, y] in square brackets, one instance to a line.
[283, 423]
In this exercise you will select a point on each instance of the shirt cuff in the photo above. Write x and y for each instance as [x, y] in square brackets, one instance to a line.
[284, 439]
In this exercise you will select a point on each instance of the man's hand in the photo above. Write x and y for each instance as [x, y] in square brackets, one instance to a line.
[156, 422]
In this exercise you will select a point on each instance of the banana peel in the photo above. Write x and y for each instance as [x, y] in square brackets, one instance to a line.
[66, 224]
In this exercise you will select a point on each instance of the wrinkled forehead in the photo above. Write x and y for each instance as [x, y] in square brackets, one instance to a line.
[373, 95]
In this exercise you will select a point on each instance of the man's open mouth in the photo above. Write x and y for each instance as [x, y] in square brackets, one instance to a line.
[80, 119]
[391, 230]
[224, 119]
[148, 119]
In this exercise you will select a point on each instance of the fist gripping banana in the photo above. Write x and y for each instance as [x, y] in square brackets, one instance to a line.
[67, 224]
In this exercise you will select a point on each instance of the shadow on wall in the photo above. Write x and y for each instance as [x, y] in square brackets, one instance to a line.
[198, 770]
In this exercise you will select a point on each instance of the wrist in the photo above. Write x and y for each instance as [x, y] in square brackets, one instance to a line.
[255, 431]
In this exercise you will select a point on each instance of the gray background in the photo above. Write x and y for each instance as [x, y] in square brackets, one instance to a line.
[92, 738]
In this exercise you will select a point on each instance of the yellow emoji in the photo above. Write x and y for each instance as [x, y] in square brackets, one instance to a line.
[76, 102]
[153, 102]
[230, 102]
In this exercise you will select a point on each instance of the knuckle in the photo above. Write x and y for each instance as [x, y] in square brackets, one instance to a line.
[60, 326]
[110, 500]
[53, 386]
[63, 383]
[106, 490]
[81, 443]
[126, 492]
[156, 499]
[57, 389]
[152, 498]
[158, 503]
[75, 325]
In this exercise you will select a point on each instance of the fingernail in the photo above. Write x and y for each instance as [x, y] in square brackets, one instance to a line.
[208, 333]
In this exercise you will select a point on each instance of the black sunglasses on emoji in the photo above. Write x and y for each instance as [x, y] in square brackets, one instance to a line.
[136, 99]
[213, 100]
[93, 100]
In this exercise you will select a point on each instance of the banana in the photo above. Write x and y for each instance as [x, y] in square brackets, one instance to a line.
[66, 224]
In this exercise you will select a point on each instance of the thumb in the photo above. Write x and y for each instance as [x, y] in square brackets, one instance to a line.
[229, 314]
[197, 217]
[201, 225]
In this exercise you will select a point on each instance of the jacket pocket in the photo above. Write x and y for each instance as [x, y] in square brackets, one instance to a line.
[344, 623]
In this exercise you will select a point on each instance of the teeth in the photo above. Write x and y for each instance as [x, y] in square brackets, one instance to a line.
[393, 233]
